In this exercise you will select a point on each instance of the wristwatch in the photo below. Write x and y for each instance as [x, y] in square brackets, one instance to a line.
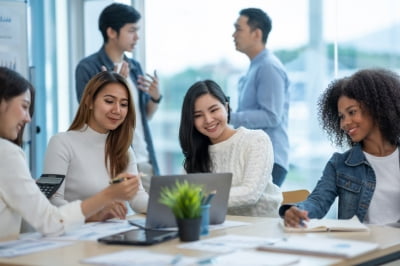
[156, 100]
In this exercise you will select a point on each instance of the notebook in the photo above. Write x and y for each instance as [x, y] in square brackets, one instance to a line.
[161, 216]
[319, 246]
[334, 225]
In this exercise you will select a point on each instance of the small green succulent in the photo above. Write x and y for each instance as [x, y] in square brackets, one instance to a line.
[184, 199]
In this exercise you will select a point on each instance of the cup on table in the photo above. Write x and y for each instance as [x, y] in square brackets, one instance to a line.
[205, 219]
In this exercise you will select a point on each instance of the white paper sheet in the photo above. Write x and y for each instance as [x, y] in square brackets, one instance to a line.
[255, 258]
[228, 243]
[226, 224]
[321, 246]
[139, 257]
[88, 231]
[26, 246]
[93, 231]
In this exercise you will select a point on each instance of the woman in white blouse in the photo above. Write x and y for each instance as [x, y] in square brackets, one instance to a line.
[209, 144]
[20, 197]
[96, 146]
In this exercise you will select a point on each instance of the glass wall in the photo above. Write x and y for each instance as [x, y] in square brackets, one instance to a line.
[316, 40]
[186, 41]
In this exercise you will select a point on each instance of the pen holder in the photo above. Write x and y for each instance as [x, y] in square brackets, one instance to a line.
[205, 219]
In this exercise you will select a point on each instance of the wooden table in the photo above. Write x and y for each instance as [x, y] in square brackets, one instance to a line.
[388, 238]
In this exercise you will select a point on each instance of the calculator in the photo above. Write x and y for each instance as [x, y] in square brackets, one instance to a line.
[49, 183]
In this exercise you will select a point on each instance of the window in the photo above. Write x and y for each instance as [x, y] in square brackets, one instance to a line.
[316, 40]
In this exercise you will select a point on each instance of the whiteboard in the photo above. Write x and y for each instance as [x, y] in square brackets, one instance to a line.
[14, 36]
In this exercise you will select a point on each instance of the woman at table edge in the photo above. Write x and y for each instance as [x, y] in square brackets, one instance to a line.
[362, 111]
[20, 196]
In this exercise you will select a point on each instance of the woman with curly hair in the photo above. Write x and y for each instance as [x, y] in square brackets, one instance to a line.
[363, 112]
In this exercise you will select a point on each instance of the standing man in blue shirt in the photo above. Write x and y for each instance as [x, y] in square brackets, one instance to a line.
[264, 90]
[118, 26]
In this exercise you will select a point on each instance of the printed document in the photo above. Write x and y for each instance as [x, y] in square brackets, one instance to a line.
[320, 246]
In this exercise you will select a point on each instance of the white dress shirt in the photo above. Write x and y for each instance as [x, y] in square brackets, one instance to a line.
[20, 198]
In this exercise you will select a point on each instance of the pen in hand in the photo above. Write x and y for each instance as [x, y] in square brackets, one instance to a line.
[117, 180]
[302, 223]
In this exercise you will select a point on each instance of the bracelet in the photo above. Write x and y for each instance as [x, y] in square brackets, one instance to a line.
[156, 100]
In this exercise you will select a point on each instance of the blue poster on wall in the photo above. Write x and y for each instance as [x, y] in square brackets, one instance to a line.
[14, 36]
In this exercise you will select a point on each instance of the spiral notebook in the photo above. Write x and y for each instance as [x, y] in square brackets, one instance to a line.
[324, 225]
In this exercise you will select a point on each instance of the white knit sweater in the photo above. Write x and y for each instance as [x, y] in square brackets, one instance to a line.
[249, 156]
[79, 155]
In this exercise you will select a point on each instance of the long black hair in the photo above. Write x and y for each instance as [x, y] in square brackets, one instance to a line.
[12, 85]
[377, 90]
[194, 144]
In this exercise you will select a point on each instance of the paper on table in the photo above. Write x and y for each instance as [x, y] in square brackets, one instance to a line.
[212, 227]
[227, 224]
[320, 246]
[395, 224]
[323, 225]
[255, 258]
[26, 246]
[227, 243]
[139, 257]
[95, 230]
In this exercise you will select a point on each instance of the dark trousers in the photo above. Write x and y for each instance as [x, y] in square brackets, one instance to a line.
[278, 174]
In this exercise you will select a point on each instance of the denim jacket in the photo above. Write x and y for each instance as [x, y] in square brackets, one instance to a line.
[91, 65]
[348, 176]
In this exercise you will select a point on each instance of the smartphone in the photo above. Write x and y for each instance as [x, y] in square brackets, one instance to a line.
[139, 237]
[49, 183]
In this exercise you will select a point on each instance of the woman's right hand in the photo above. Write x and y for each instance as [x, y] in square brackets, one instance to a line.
[294, 217]
[119, 191]
[115, 209]
[125, 189]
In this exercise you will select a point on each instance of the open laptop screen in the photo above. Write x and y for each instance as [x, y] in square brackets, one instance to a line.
[160, 216]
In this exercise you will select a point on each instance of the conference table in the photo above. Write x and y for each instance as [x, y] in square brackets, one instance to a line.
[388, 239]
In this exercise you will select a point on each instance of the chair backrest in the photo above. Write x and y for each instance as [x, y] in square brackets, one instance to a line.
[293, 196]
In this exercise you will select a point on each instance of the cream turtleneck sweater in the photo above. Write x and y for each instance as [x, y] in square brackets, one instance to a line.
[79, 155]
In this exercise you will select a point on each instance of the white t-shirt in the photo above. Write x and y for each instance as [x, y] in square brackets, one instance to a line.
[139, 141]
[385, 203]
[20, 198]
[248, 155]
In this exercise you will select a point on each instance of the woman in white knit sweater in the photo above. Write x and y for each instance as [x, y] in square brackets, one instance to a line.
[209, 144]
[20, 197]
[96, 147]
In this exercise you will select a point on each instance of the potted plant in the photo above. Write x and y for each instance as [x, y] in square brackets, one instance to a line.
[185, 200]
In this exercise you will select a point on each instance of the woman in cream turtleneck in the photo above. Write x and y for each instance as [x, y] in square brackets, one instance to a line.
[96, 147]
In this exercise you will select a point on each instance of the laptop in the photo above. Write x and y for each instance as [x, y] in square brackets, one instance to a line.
[161, 216]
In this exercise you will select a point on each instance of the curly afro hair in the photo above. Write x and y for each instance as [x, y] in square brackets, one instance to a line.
[377, 90]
